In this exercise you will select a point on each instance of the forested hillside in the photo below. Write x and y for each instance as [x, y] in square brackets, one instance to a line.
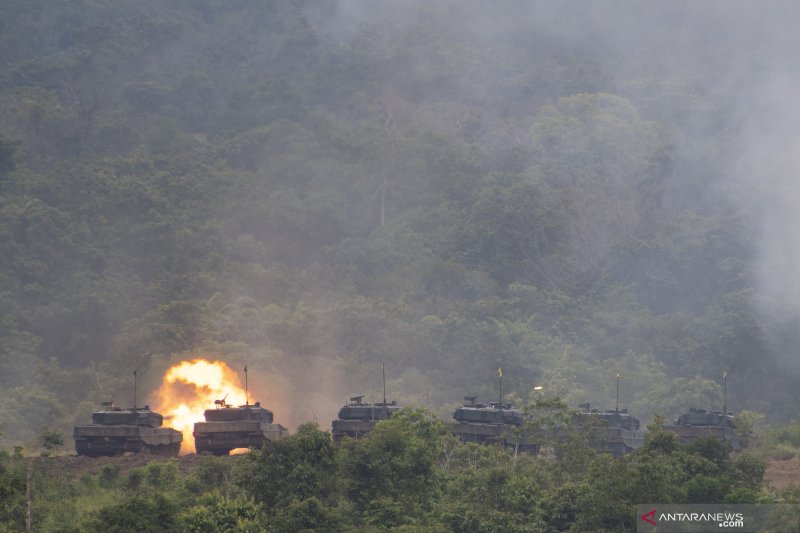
[313, 188]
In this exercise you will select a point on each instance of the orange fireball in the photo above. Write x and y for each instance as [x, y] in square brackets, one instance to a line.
[189, 388]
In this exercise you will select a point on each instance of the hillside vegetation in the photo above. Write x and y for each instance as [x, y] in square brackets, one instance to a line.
[407, 475]
[316, 188]
[566, 191]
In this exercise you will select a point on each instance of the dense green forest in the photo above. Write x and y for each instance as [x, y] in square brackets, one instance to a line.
[566, 190]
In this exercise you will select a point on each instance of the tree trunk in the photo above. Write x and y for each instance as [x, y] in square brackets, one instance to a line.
[28, 516]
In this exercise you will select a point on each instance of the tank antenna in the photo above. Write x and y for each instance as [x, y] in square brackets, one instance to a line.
[383, 374]
[134, 390]
[500, 379]
[246, 394]
[617, 409]
[725, 391]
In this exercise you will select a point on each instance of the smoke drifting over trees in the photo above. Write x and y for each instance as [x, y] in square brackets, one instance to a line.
[312, 188]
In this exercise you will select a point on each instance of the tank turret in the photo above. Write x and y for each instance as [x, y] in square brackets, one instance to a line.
[227, 427]
[491, 413]
[611, 417]
[114, 431]
[137, 416]
[357, 418]
[491, 423]
[701, 417]
[698, 423]
[614, 430]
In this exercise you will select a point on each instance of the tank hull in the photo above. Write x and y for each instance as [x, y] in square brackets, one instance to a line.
[494, 434]
[219, 438]
[689, 434]
[99, 440]
[616, 441]
[358, 418]
[699, 423]
[351, 428]
[615, 432]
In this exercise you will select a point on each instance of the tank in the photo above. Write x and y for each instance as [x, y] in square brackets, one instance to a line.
[492, 423]
[114, 431]
[697, 423]
[611, 431]
[227, 427]
[357, 418]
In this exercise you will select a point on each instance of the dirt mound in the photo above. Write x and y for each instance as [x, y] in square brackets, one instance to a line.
[783, 473]
[78, 465]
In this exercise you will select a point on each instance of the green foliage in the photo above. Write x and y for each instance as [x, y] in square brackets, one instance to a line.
[495, 493]
[146, 514]
[27, 410]
[406, 475]
[660, 440]
[305, 515]
[508, 220]
[560, 509]
[751, 470]
[159, 475]
[780, 442]
[395, 463]
[52, 440]
[548, 415]
[212, 473]
[135, 479]
[715, 450]
[301, 466]
[12, 493]
[219, 514]
[109, 475]
[787, 434]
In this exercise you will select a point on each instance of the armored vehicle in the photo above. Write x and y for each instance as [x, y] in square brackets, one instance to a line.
[357, 417]
[614, 431]
[492, 423]
[114, 431]
[227, 427]
[699, 423]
